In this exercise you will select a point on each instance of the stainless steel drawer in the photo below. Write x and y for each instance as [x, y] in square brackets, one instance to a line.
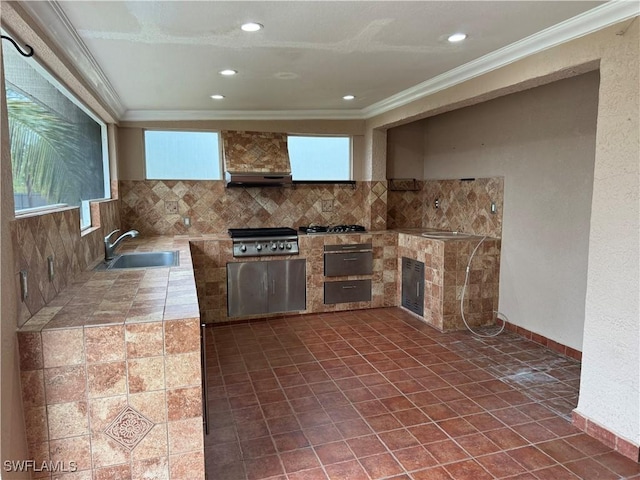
[343, 264]
[347, 291]
[350, 247]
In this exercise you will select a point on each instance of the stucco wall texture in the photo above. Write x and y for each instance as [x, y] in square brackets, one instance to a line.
[609, 390]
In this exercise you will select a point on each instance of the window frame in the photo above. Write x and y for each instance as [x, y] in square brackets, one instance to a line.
[328, 135]
[42, 70]
[178, 130]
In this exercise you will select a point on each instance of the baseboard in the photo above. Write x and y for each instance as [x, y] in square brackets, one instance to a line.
[610, 439]
[544, 341]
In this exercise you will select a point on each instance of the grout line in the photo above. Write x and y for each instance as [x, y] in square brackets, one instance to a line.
[447, 352]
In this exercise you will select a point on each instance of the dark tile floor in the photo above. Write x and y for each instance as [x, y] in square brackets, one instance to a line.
[376, 394]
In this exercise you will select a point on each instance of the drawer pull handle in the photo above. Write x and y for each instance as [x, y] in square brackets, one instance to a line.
[350, 259]
[349, 247]
[348, 287]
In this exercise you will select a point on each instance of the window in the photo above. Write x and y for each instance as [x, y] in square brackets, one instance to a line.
[58, 147]
[173, 155]
[320, 158]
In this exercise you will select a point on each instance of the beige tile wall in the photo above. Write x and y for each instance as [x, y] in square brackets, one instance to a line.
[157, 207]
[445, 269]
[38, 236]
[463, 206]
[122, 400]
[255, 152]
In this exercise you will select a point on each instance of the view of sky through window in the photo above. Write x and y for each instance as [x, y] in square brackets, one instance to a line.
[320, 158]
[179, 155]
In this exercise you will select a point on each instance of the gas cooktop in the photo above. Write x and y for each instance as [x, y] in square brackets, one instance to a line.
[332, 229]
[261, 242]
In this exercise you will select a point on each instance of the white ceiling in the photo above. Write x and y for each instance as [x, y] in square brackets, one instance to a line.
[161, 59]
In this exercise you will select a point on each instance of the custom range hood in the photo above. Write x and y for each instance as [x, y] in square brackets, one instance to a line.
[255, 159]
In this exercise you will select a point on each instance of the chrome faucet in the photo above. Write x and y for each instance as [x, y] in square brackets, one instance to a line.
[110, 248]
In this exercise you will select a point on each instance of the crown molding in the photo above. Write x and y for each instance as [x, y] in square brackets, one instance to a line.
[186, 115]
[55, 22]
[603, 16]
[52, 17]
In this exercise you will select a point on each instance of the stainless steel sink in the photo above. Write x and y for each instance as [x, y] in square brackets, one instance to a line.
[142, 260]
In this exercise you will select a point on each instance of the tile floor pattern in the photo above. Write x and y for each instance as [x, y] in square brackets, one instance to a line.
[376, 394]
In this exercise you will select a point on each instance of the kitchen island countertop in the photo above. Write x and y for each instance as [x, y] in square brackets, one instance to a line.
[109, 297]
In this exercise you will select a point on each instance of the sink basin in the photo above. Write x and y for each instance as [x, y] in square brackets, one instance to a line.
[444, 235]
[143, 260]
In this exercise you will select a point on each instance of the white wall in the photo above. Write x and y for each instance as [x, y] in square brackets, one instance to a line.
[405, 151]
[610, 381]
[131, 138]
[542, 141]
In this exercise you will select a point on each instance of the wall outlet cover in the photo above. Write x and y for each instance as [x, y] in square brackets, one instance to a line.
[171, 206]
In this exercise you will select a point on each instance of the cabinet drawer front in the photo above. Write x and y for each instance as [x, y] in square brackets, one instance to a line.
[343, 264]
[350, 247]
[348, 291]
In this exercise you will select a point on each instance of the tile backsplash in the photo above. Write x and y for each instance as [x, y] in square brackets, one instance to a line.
[57, 234]
[159, 207]
[463, 205]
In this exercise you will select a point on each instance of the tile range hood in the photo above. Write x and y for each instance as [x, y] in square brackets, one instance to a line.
[255, 159]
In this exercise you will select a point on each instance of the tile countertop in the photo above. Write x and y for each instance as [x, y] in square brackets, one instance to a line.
[126, 296]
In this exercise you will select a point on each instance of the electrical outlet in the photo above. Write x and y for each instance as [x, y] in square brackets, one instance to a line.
[51, 268]
[327, 205]
[170, 206]
[186, 221]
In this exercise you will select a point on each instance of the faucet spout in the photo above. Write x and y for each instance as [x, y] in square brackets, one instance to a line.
[110, 248]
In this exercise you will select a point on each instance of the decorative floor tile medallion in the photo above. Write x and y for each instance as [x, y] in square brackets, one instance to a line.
[129, 428]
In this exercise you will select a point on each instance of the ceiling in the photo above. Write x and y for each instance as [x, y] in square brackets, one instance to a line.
[160, 59]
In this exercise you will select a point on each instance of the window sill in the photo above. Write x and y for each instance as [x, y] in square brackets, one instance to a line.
[34, 212]
[88, 230]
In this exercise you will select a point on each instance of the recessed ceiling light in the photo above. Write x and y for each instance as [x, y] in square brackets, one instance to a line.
[457, 37]
[217, 97]
[251, 27]
[228, 72]
[348, 97]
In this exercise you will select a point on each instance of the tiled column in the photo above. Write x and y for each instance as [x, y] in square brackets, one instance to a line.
[122, 400]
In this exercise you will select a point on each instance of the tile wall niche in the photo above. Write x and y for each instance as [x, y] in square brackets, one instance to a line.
[463, 206]
[35, 237]
[157, 207]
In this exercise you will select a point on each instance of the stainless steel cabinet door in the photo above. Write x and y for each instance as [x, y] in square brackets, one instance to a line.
[413, 285]
[287, 285]
[247, 288]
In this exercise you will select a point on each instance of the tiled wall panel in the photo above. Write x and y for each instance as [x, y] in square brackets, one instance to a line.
[57, 234]
[157, 207]
[464, 206]
[255, 152]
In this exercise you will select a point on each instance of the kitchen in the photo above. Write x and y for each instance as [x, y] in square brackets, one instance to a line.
[608, 285]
